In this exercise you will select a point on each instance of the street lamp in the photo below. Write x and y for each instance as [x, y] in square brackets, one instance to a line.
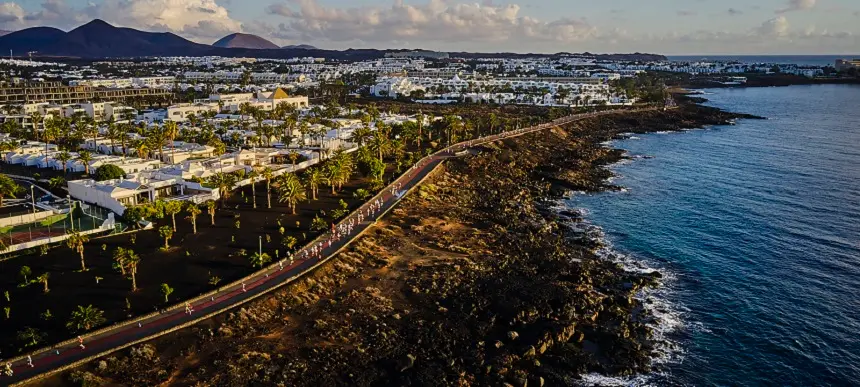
[33, 198]
[71, 212]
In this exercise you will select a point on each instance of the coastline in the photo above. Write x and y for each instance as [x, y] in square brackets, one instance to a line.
[769, 81]
[476, 262]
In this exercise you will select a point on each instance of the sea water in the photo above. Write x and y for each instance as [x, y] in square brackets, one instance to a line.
[757, 227]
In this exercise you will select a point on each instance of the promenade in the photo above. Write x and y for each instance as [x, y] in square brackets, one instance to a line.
[72, 353]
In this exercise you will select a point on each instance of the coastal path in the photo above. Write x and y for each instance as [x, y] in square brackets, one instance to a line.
[71, 353]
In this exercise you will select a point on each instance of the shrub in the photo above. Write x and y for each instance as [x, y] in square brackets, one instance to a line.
[108, 172]
[361, 194]
[319, 224]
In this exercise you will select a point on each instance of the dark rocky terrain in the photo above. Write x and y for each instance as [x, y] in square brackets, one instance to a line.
[473, 280]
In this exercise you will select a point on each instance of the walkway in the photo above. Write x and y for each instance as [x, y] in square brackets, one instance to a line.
[70, 353]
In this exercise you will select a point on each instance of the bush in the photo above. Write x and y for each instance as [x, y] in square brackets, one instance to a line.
[361, 194]
[86, 379]
[109, 172]
[319, 224]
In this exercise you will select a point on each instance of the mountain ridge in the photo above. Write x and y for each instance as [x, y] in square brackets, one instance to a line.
[99, 39]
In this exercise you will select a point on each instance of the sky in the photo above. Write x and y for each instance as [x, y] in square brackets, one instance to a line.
[671, 27]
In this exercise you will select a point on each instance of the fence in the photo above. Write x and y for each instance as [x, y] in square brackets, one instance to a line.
[19, 218]
[44, 238]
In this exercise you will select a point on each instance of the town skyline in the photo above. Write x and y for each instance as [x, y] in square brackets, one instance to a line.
[542, 26]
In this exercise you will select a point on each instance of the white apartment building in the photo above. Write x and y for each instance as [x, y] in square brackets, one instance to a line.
[181, 112]
[147, 186]
[232, 103]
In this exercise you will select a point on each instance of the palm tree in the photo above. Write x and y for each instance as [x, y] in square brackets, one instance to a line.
[492, 122]
[85, 158]
[290, 190]
[115, 132]
[224, 182]
[156, 137]
[166, 290]
[420, 120]
[171, 130]
[453, 125]
[26, 272]
[64, 157]
[76, 242]
[360, 135]
[380, 143]
[36, 119]
[8, 188]
[253, 176]
[85, 318]
[141, 148]
[172, 207]
[332, 172]
[43, 278]
[267, 173]
[210, 208]
[314, 177]
[193, 210]
[131, 260]
[119, 257]
[166, 232]
[51, 132]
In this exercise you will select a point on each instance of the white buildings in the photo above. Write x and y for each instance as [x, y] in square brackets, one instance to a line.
[146, 186]
[98, 111]
[395, 87]
[501, 90]
[217, 103]
[122, 83]
[181, 112]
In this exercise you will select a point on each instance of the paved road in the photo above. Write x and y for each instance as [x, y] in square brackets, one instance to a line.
[51, 360]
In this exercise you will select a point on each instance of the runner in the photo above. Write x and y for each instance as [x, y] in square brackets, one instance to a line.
[30, 361]
[9, 369]
[81, 342]
[243, 287]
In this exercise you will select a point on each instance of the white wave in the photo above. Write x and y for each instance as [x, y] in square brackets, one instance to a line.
[666, 318]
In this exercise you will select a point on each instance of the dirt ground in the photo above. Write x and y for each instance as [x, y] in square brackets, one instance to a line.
[188, 266]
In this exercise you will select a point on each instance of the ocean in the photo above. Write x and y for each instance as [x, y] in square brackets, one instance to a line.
[757, 228]
[806, 60]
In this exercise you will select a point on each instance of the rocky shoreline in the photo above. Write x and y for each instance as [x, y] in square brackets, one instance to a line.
[473, 280]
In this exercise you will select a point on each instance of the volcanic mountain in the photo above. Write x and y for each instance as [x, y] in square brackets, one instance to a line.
[30, 39]
[240, 40]
[98, 39]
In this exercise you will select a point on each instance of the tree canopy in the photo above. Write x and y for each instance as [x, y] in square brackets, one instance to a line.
[109, 172]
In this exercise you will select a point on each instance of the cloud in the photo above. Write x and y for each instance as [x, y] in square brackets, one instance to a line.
[436, 21]
[776, 27]
[196, 19]
[11, 13]
[50, 12]
[734, 12]
[202, 20]
[798, 5]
